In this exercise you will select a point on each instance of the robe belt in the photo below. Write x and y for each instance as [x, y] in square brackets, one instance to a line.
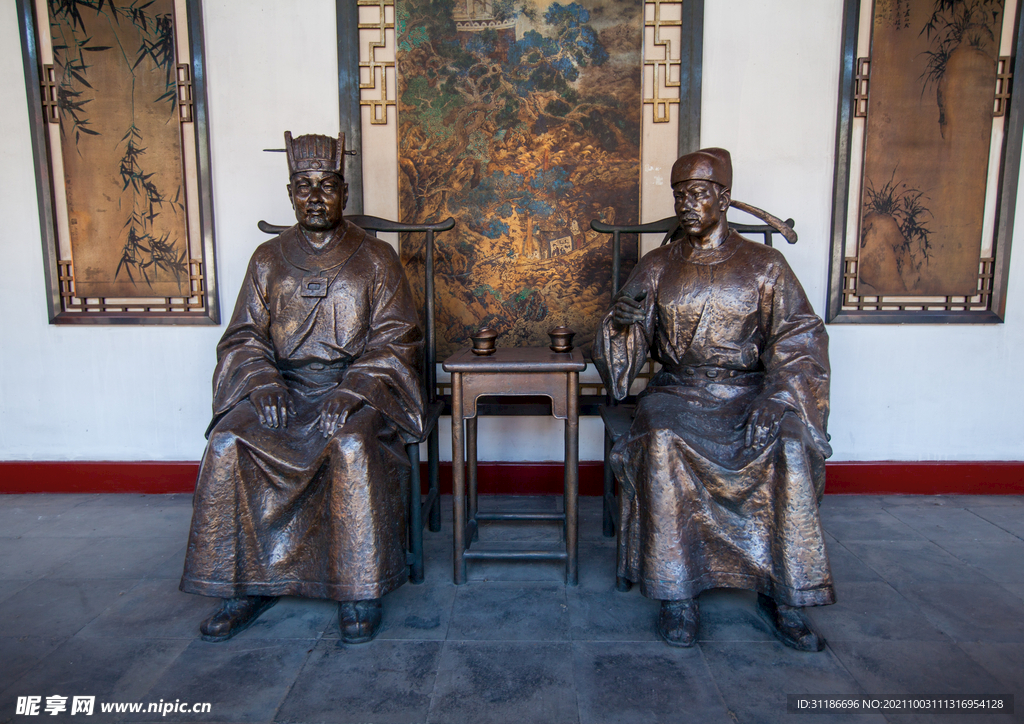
[315, 374]
[711, 373]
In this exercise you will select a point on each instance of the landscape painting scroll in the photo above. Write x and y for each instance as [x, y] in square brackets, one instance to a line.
[929, 129]
[120, 138]
[521, 119]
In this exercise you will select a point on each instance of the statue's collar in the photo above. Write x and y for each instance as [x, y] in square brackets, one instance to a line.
[347, 238]
[719, 254]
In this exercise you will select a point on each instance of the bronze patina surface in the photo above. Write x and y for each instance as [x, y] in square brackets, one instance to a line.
[300, 491]
[723, 466]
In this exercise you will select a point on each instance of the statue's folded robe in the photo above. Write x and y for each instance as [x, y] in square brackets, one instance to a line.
[699, 509]
[286, 511]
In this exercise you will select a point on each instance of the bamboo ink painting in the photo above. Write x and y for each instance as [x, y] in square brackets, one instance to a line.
[120, 137]
[521, 119]
[929, 131]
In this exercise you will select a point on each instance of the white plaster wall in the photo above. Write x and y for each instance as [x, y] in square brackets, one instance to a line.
[770, 74]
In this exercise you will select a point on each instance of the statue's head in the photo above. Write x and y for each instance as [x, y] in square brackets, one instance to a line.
[316, 185]
[702, 186]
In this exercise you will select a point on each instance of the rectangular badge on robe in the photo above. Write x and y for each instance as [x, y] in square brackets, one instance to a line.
[314, 286]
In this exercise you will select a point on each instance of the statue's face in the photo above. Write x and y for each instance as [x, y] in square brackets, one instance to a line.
[318, 198]
[700, 205]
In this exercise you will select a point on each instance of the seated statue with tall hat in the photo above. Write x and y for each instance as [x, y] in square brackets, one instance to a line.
[317, 385]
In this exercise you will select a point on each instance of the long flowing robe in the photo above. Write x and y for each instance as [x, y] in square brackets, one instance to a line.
[699, 509]
[286, 511]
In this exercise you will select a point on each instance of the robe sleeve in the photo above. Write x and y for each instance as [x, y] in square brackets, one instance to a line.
[619, 354]
[386, 375]
[245, 355]
[795, 354]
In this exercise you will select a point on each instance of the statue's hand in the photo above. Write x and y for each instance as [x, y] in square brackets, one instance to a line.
[629, 310]
[763, 422]
[272, 406]
[336, 410]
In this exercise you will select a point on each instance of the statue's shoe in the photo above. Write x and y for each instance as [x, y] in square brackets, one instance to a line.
[359, 620]
[235, 615]
[678, 622]
[789, 625]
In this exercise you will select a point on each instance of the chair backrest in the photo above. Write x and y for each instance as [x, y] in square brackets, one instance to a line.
[374, 225]
[668, 226]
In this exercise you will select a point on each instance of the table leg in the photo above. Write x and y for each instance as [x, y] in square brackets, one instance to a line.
[458, 482]
[572, 479]
[471, 474]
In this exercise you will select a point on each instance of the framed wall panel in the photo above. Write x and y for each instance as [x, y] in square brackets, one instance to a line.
[504, 144]
[117, 105]
[927, 158]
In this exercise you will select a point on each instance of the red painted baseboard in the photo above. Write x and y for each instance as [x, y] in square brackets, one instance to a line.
[897, 478]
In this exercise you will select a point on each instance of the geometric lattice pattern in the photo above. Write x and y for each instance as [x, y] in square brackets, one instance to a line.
[662, 70]
[980, 302]
[377, 70]
[71, 303]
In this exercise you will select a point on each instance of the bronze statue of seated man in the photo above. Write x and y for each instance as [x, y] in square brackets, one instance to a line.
[301, 487]
[723, 468]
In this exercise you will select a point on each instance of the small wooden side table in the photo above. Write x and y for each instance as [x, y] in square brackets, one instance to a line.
[513, 371]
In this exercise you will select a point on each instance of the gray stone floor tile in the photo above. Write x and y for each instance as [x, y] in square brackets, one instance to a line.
[625, 683]
[1008, 517]
[19, 654]
[596, 567]
[482, 682]
[918, 670]
[966, 613]
[1002, 562]
[859, 502]
[852, 524]
[1005, 662]
[903, 563]
[848, 567]
[109, 669]
[417, 612]
[139, 518]
[755, 678]
[154, 609]
[291, 618]
[245, 679]
[116, 557]
[31, 558]
[1015, 588]
[170, 567]
[385, 682]
[506, 611]
[872, 612]
[59, 608]
[10, 586]
[731, 615]
[949, 523]
[611, 616]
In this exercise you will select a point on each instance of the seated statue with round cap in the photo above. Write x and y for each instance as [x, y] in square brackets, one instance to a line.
[317, 386]
[723, 467]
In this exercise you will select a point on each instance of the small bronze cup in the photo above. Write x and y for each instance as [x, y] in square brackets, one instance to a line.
[561, 339]
[483, 341]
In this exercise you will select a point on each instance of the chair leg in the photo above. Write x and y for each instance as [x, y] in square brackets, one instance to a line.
[434, 474]
[415, 516]
[608, 525]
